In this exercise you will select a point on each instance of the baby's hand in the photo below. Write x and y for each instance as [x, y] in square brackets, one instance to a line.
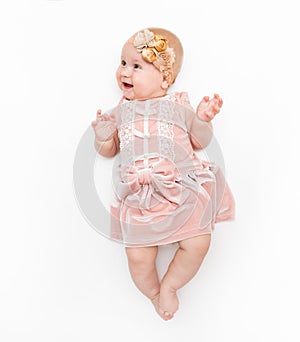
[104, 127]
[209, 108]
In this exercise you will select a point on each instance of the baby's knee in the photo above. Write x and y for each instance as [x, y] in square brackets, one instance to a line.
[134, 255]
[198, 245]
[140, 256]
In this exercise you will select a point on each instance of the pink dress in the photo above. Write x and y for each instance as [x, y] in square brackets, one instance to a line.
[163, 192]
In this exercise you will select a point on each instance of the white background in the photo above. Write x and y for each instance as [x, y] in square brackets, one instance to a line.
[60, 279]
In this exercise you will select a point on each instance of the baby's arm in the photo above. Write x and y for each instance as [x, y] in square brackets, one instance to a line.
[106, 135]
[201, 129]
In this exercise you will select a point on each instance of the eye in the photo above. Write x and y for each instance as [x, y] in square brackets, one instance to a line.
[136, 66]
[123, 63]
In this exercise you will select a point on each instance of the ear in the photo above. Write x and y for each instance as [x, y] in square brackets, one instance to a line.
[165, 84]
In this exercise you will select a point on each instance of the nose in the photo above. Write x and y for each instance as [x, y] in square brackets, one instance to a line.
[125, 71]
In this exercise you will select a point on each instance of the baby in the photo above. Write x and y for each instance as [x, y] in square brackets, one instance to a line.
[163, 192]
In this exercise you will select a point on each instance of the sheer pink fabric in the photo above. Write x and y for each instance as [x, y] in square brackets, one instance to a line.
[163, 192]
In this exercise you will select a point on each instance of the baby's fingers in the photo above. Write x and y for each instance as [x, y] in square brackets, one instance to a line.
[203, 103]
[99, 112]
[205, 99]
[215, 109]
[218, 100]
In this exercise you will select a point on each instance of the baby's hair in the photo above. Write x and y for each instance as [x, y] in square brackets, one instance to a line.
[173, 43]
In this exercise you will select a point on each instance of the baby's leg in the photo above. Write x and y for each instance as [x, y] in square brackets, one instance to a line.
[142, 267]
[185, 264]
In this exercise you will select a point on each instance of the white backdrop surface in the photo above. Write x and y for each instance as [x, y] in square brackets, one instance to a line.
[60, 279]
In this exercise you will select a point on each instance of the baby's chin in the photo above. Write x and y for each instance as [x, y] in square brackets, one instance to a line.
[129, 97]
[133, 97]
[129, 94]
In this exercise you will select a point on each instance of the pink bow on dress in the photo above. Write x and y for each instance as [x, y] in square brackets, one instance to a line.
[141, 185]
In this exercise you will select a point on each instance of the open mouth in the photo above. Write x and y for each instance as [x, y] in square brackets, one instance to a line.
[127, 85]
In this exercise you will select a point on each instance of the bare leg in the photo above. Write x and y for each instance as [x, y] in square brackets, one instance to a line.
[185, 264]
[142, 267]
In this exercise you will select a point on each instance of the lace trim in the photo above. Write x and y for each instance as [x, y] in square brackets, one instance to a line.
[125, 135]
[166, 130]
[125, 131]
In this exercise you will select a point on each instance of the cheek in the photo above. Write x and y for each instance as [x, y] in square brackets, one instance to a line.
[157, 77]
[118, 73]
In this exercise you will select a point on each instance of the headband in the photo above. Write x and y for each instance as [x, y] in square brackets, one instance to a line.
[154, 49]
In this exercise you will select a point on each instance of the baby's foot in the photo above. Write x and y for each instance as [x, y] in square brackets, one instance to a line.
[164, 315]
[168, 301]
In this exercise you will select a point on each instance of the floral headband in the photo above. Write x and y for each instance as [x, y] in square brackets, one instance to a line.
[154, 49]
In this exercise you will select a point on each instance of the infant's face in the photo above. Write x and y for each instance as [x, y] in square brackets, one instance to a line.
[138, 79]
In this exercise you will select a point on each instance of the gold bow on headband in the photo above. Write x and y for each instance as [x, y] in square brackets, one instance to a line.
[149, 44]
[155, 49]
